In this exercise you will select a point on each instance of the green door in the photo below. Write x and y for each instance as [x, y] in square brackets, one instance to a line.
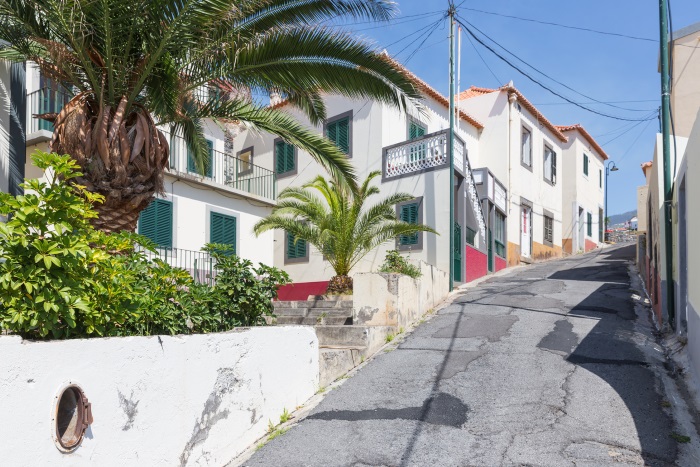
[458, 253]
[490, 252]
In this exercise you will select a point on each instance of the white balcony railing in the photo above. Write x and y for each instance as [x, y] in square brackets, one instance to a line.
[421, 155]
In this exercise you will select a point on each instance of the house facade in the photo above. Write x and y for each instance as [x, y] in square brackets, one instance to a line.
[583, 190]
[411, 152]
[521, 148]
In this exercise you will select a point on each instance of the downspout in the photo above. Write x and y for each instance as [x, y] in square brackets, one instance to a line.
[512, 98]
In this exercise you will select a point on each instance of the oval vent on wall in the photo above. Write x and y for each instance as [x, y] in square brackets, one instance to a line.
[72, 416]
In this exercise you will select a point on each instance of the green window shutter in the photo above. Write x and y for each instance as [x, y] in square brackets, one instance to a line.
[415, 131]
[590, 224]
[409, 214]
[222, 229]
[284, 157]
[295, 249]
[156, 223]
[585, 164]
[290, 162]
[210, 163]
[339, 132]
[600, 178]
[208, 170]
[190, 160]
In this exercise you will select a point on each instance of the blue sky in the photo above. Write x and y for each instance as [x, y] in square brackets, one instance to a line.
[607, 68]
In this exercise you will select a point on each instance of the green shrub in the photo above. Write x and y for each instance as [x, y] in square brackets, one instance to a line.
[243, 294]
[397, 264]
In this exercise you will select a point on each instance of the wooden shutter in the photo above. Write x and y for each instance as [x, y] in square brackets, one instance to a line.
[209, 169]
[409, 214]
[554, 167]
[222, 229]
[339, 133]
[280, 156]
[415, 131]
[290, 162]
[295, 249]
[585, 164]
[590, 224]
[156, 223]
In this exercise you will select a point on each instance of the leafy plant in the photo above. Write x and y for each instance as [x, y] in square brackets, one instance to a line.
[243, 294]
[136, 64]
[389, 337]
[397, 264]
[338, 223]
[680, 438]
[284, 418]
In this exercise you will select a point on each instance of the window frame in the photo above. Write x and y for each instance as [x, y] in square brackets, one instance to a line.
[589, 224]
[523, 129]
[288, 173]
[192, 169]
[419, 244]
[552, 164]
[335, 118]
[300, 259]
[497, 241]
[250, 163]
[547, 239]
[586, 165]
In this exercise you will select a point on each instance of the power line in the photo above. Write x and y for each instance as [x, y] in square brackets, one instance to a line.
[549, 77]
[594, 102]
[498, 81]
[544, 86]
[418, 31]
[627, 131]
[629, 148]
[412, 54]
[429, 29]
[392, 23]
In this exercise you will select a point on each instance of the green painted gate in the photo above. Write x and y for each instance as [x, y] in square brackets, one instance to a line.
[490, 252]
[458, 253]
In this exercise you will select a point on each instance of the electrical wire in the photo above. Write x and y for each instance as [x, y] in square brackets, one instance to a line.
[428, 30]
[626, 131]
[544, 86]
[549, 77]
[498, 81]
[629, 148]
[418, 31]
[412, 54]
[392, 23]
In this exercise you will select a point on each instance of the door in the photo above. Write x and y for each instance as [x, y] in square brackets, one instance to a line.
[490, 251]
[526, 231]
[458, 246]
[682, 299]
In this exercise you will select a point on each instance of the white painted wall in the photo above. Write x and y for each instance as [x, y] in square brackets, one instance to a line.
[374, 126]
[183, 400]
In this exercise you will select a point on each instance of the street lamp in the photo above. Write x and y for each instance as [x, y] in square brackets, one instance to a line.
[609, 167]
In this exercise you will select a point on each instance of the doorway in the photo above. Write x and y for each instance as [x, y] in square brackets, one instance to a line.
[682, 300]
[526, 231]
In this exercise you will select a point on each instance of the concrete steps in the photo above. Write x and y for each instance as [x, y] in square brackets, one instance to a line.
[313, 312]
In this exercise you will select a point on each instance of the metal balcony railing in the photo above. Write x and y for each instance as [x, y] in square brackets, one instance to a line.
[45, 100]
[199, 264]
[224, 169]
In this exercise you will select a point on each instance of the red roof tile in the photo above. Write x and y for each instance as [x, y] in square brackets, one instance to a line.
[586, 135]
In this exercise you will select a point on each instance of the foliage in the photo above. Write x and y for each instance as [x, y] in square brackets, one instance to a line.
[62, 278]
[243, 294]
[339, 285]
[397, 264]
[338, 223]
[131, 60]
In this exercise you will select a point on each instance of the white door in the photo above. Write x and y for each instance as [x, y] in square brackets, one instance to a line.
[525, 229]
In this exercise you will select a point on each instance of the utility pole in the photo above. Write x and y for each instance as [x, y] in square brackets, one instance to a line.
[451, 14]
[668, 183]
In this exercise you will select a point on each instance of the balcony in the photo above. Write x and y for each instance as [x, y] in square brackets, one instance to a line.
[223, 169]
[421, 155]
[199, 264]
[44, 100]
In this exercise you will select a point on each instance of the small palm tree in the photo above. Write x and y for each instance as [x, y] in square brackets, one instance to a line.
[137, 64]
[337, 223]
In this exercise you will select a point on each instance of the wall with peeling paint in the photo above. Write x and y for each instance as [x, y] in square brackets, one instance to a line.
[183, 400]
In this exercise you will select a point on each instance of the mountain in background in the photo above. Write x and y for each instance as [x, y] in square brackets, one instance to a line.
[622, 218]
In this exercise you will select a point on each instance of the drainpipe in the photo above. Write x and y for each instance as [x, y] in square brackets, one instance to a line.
[512, 98]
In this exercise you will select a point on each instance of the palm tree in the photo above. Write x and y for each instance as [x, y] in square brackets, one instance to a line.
[136, 64]
[337, 223]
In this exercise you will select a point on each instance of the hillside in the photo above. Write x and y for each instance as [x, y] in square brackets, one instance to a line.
[622, 218]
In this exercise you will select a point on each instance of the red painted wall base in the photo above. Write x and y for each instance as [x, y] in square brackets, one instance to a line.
[591, 245]
[301, 290]
[500, 263]
[476, 264]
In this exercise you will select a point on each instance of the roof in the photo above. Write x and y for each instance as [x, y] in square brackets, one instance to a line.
[686, 31]
[646, 166]
[586, 135]
[422, 86]
[475, 91]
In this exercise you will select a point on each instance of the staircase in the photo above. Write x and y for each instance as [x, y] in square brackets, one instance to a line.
[318, 311]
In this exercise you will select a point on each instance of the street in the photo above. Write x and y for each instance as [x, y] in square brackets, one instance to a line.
[550, 365]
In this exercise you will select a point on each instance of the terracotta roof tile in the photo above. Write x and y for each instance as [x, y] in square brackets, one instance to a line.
[586, 135]
[646, 166]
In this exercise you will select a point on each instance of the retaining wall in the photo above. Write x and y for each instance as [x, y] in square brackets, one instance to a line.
[183, 400]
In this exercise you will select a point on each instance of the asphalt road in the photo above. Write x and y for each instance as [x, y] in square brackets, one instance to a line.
[546, 366]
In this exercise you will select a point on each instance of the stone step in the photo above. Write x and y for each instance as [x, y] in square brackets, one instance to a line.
[313, 312]
[371, 338]
[314, 320]
[345, 304]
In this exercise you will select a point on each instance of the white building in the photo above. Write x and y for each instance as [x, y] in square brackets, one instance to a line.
[521, 148]
[411, 152]
[220, 207]
[583, 205]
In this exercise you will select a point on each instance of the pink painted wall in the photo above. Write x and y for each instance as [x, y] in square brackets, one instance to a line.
[301, 290]
[591, 245]
[500, 263]
[476, 264]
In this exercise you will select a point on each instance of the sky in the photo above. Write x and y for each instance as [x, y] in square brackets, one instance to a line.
[616, 70]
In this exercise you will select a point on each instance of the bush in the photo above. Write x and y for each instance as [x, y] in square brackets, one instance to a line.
[397, 264]
[60, 278]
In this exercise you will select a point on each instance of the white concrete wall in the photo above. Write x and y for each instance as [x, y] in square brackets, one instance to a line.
[183, 400]
[374, 126]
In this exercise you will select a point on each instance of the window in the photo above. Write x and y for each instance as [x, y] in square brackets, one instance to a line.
[410, 212]
[338, 131]
[600, 178]
[550, 165]
[471, 236]
[548, 230]
[245, 161]
[156, 223]
[208, 162]
[417, 151]
[285, 158]
[526, 147]
[296, 250]
[585, 165]
[600, 225]
[589, 224]
[500, 234]
[222, 229]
